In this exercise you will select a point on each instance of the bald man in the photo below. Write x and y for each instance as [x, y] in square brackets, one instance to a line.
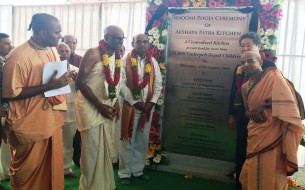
[275, 128]
[71, 41]
[34, 129]
[138, 106]
[97, 109]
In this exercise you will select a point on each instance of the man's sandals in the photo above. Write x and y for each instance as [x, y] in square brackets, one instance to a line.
[126, 180]
[71, 175]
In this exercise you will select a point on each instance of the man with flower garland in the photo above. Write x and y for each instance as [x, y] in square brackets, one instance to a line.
[249, 41]
[141, 87]
[96, 108]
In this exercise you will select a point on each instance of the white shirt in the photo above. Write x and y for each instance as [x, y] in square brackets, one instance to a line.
[127, 94]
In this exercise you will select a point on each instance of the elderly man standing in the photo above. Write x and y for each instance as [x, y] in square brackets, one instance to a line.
[74, 59]
[249, 41]
[141, 88]
[275, 128]
[97, 109]
[33, 128]
[69, 128]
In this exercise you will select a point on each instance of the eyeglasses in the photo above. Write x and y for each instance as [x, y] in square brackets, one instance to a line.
[250, 62]
[140, 41]
[117, 38]
[242, 46]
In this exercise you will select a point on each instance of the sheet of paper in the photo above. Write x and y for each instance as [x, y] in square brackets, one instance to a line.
[48, 71]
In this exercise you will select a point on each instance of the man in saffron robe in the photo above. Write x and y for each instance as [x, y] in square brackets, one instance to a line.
[33, 128]
[274, 129]
[238, 121]
[97, 108]
[141, 88]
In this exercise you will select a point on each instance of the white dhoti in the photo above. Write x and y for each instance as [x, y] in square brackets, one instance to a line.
[132, 155]
[5, 160]
[97, 149]
[68, 132]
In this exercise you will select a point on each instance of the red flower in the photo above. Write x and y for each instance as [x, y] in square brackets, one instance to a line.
[155, 117]
[156, 23]
[262, 55]
[289, 182]
[267, 55]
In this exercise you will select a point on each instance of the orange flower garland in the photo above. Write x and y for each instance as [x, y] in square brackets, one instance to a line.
[136, 81]
[112, 83]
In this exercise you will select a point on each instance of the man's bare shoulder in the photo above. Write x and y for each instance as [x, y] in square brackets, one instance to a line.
[93, 52]
[92, 55]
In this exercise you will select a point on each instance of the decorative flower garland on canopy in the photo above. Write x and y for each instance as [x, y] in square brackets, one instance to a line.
[269, 13]
[112, 83]
[135, 74]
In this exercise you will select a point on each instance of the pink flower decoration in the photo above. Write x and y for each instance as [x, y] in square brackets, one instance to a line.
[156, 23]
[221, 4]
[268, 6]
[279, 14]
[173, 2]
[153, 8]
[148, 16]
[212, 3]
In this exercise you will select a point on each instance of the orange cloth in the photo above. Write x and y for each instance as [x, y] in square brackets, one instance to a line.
[128, 111]
[33, 133]
[37, 165]
[26, 117]
[272, 145]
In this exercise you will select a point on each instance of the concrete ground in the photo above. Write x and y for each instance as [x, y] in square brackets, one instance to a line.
[300, 176]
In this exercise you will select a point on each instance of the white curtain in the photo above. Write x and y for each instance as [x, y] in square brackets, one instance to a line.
[6, 19]
[85, 21]
[291, 44]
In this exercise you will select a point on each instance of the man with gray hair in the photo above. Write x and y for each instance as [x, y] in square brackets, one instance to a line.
[71, 41]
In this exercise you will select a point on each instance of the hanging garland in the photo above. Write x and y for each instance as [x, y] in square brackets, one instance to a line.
[112, 82]
[135, 73]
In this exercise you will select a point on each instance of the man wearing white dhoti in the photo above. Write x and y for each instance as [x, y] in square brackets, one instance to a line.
[141, 87]
[97, 109]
